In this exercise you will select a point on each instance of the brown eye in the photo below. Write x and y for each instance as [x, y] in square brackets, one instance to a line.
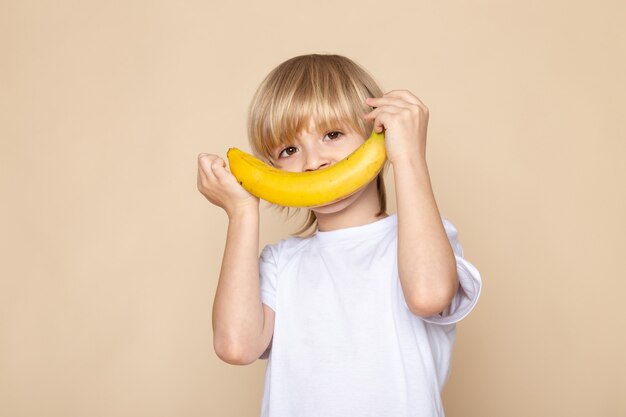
[290, 150]
[333, 135]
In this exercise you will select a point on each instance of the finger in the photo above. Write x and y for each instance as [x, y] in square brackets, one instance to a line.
[405, 95]
[386, 118]
[379, 126]
[389, 101]
[205, 176]
[206, 156]
[380, 121]
[204, 162]
[218, 167]
[379, 110]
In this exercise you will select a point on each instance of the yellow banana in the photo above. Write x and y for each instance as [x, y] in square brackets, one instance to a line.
[310, 188]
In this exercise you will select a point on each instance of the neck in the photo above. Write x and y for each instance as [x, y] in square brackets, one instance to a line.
[363, 210]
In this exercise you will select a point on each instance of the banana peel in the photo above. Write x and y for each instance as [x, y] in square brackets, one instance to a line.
[312, 188]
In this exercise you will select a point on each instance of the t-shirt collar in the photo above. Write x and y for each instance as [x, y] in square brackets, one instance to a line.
[357, 232]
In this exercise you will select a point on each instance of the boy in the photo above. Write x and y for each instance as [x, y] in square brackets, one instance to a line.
[357, 318]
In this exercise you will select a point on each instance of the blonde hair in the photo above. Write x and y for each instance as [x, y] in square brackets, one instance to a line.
[328, 89]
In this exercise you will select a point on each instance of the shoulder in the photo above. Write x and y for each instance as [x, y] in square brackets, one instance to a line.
[283, 249]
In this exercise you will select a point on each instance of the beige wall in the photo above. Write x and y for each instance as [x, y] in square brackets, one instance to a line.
[109, 255]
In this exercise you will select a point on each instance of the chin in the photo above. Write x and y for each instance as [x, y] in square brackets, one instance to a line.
[338, 205]
[333, 207]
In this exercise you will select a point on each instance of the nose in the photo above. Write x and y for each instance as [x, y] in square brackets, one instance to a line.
[315, 161]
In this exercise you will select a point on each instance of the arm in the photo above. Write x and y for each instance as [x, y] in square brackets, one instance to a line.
[242, 326]
[426, 261]
[240, 329]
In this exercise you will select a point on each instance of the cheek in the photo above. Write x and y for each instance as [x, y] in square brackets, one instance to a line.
[353, 145]
[289, 165]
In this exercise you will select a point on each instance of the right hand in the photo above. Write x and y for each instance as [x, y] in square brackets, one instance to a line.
[220, 187]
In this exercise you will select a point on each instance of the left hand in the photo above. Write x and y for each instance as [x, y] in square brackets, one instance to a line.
[404, 118]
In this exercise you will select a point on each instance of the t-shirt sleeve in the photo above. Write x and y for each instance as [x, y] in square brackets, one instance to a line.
[469, 279]
[268, 276]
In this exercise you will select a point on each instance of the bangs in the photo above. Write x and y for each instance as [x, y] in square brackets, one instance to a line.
[284, 123]
[323, 90]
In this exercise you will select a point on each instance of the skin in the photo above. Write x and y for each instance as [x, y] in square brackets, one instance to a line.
[314, 150]
[242, 325]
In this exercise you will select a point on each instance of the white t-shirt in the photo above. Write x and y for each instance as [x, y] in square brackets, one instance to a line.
[345, 343]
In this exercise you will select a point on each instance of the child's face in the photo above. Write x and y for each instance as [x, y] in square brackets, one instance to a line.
[316, 149]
